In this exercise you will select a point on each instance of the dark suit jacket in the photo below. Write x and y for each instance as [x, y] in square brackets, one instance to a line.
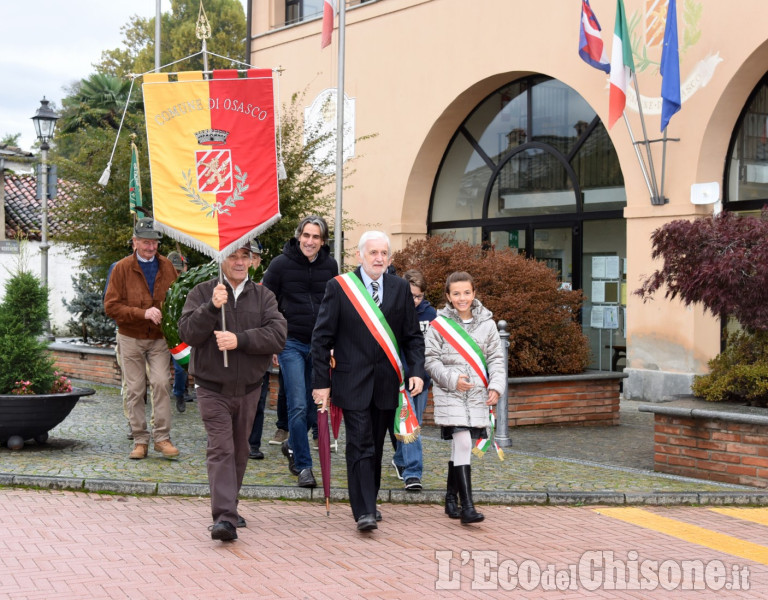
[363, 373]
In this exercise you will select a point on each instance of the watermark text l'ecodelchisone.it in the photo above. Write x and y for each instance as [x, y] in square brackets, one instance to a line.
[595, 569]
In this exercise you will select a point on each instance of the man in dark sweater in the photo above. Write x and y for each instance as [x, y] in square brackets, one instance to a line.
[297, 278]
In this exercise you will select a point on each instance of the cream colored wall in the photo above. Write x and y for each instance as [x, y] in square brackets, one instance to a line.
[417, 67]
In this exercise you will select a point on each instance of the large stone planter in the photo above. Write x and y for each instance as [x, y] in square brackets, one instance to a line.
[33, 416]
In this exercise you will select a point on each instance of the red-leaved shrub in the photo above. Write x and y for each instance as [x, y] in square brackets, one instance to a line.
[542, 320]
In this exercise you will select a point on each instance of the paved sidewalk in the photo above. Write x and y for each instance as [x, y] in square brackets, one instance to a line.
[576, 465]
[76, 546]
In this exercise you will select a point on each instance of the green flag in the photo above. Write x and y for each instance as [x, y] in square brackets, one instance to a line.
[134, 181]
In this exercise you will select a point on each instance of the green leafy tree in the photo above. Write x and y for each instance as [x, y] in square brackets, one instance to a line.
[10, 139]
[178, 39]
[98, 100]
[99, 222]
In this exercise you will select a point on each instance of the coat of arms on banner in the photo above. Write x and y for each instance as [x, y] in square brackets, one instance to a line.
[214, 170]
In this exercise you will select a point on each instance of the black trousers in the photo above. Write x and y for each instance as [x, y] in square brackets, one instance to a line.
[365, 430]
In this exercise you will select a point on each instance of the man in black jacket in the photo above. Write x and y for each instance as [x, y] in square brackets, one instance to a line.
[297, 278]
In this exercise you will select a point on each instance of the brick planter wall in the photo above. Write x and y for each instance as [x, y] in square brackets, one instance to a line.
[97, 365]
[725, 447]
[590, 398]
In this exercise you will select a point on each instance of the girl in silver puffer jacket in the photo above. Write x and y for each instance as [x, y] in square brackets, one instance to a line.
[461, 396]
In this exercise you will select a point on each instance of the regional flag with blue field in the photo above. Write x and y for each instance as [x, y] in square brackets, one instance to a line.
[591, 47]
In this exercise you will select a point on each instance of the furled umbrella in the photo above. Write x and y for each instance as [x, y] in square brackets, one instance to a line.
[324, 449]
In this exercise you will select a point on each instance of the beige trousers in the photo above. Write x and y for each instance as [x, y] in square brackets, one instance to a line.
[142, 360]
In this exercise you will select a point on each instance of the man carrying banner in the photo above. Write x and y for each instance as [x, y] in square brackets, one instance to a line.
[135, 293]
[368, 319]
[228, 396]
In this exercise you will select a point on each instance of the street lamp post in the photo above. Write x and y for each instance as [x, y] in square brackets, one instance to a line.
[45, 122]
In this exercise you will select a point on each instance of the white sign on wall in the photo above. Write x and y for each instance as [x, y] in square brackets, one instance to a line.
[320, 120]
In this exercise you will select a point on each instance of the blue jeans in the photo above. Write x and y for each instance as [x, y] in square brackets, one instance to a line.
[296, 366]
[179, 379]
[409, 456]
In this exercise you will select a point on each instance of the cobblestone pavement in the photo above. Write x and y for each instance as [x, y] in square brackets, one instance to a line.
[89, 450]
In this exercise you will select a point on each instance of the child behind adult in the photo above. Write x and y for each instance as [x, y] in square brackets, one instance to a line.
[409, 460]
[461, 396]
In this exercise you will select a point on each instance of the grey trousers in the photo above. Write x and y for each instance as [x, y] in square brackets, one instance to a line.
[228, 421]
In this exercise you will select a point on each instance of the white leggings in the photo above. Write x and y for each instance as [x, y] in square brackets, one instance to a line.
[461, 448]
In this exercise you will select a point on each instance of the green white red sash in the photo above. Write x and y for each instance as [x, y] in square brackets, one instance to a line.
[462, 342]
[181, 353]
[406, 423]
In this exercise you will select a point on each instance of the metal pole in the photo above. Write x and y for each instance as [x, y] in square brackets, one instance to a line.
[157, 36]
[338, 228]
[44, 228]
[223, 315]
[639, 155]
[651, 170]
[663, 163]
[502, 408]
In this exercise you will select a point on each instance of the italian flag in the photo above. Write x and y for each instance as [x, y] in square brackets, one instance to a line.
[622, 66]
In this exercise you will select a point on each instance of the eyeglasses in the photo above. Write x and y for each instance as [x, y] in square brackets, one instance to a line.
[417, 296]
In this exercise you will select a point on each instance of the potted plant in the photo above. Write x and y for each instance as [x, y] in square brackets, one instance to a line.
[34, 398]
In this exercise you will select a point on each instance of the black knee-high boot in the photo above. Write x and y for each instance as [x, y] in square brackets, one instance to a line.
[451, 497]
[463, 476]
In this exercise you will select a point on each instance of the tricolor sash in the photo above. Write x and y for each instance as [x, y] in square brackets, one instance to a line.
[462, 342]
[406, 423]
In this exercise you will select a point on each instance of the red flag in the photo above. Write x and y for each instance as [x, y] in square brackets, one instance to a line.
[328, 9]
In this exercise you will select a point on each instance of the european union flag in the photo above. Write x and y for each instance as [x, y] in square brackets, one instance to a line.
[670, 68]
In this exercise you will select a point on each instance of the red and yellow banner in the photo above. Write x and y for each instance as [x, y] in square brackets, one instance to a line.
[212, 157]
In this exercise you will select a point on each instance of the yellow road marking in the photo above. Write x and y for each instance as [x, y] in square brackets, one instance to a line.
[690, 533]
[754, 515]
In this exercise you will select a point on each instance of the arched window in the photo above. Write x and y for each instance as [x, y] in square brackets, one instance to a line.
[533, 149]
[746, 171]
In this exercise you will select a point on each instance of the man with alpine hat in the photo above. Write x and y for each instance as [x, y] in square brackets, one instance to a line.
[135, 293]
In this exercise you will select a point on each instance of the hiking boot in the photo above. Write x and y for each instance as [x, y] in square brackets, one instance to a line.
[167, 449]
[139, 451]
[280, 436]
[181, 404]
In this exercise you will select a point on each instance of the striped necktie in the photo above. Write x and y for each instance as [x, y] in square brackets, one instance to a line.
[375, 288]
